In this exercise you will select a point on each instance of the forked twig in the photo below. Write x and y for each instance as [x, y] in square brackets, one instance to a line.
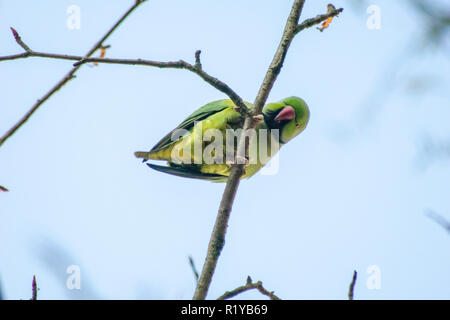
[249, 286]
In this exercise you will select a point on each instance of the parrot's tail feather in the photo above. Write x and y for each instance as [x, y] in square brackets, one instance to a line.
[186, 173]
[158, 155]
[141, 154]
[144, 155]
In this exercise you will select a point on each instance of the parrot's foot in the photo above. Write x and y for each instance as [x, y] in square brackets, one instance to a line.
[239, 160]
[242, 160]
[258, 118]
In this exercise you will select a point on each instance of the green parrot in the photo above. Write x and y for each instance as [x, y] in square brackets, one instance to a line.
[215, 120]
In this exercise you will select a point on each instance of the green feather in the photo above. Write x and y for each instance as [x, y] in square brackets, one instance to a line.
[200, 114]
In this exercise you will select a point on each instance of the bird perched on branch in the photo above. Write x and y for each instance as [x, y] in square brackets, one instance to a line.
[204, 145]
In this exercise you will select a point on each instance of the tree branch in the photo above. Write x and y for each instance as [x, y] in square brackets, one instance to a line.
[278, 59]
[69, 76]
[180, 64]
[249, 286]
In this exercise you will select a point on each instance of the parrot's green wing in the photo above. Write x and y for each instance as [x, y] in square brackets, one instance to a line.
[218, 115]
[202, 113]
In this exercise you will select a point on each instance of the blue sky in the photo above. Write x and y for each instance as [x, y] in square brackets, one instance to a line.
[349, 193]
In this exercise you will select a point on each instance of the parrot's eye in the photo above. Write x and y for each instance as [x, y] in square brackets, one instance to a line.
[297, 125]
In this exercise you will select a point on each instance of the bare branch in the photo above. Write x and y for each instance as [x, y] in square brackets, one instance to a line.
[249, 286]
[2, 188]
[280, 55]
[351, 288]
[180, 64]
[69, 76]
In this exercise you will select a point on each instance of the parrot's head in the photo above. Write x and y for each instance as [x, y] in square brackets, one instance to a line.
[290, 116]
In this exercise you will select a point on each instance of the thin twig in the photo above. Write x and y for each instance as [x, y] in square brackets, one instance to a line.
[69, 76]
[249, 286]
[198, 63]
[180, 64]
[34, 289]
[194, 269]
[308, 23]
[19, 40]
[351, 288]
[2, 188]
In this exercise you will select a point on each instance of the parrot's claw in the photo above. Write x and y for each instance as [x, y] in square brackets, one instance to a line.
[258, 118]
[242, 160]
[239, 160]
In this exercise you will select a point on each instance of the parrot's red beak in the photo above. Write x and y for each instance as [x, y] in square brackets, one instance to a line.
[287, 113]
